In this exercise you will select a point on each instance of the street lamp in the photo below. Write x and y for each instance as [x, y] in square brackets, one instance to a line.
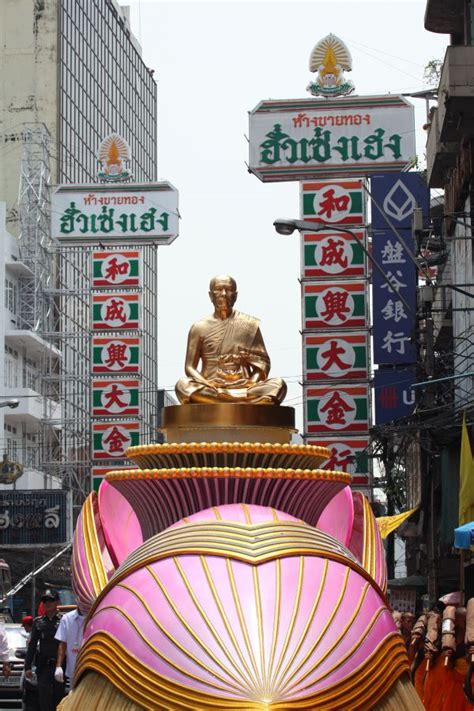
[10, 403]
[287, 227]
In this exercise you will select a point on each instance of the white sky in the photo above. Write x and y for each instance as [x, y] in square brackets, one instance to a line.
[214, 62]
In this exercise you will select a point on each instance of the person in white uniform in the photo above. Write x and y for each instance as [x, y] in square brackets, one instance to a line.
[4, 652]
[69, 633]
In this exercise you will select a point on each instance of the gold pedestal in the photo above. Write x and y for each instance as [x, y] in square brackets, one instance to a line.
[228, 423]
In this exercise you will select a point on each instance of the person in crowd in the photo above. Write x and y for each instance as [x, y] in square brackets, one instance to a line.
[69, 634]
[4, 652]
[27, 624]
[406, 625]
[30, 700]
[43, 648]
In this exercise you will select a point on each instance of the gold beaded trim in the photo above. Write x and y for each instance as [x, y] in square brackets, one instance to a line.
[224, 472]
[234, 447]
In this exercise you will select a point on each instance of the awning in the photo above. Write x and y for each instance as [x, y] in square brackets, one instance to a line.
[412, 581]
[464, 536]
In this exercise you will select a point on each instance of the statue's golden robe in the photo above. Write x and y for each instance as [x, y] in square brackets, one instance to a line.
[231, 351]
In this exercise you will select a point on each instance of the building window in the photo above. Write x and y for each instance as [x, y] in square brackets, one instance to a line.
[11, 296]
[11, 368]
[30, 373]
[12, 449]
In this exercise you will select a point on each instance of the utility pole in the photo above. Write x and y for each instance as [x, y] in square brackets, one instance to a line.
[388, 463]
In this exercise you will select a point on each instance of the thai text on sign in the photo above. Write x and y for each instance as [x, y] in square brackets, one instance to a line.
[296, 139]
[140, 213]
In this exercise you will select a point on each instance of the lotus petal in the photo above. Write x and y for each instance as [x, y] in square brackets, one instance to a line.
[338, 516]
[366, 542]
[120, 525]
[243, 607]
[91, 562]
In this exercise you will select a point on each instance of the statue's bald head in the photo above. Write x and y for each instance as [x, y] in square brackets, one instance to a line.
[223, 292]
[222, 277]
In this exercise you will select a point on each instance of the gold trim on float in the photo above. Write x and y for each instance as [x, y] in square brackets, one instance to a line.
[323, 630]
[226, 621]
[174, 665]
[250, 681]
[276, 621]
[347, 655]
[228, 447]
[309, 621]
[195, 636]
[361, 689]
[296, 607]
[338, 639]
[228, 472]
[241, 616]
[185, 652]
[250, 543]
[78, 573]
[92, 550]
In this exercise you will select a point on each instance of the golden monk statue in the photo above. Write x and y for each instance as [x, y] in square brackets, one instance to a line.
[235, 362]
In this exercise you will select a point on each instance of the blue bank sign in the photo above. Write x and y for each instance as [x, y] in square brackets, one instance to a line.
[394, 396]
[394, 198]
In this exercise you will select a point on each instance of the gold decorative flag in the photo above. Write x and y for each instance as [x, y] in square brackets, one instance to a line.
[466, 478]
[388, 524]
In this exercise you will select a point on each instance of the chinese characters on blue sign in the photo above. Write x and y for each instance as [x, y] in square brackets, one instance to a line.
[394, 317]
[394, 197]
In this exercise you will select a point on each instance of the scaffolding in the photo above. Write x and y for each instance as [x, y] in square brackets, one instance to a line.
[54, 303]
[72, 298]
[35, 303]
[35, 308]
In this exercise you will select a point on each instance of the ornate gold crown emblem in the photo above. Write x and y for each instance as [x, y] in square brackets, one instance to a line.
[329, 58]
[114, 156]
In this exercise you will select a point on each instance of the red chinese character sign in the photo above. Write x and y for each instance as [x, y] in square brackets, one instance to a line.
[115, 397]
[332, 202]
[115, 355]
[112, 439]
[310, 138]
[333, 254]
[115, 269]
[334, 305]
[348, 454]
[340, 356]
[99, 473]
[341, 408]
[115, 311]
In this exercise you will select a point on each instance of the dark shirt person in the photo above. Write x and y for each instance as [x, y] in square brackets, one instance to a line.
[43, 648]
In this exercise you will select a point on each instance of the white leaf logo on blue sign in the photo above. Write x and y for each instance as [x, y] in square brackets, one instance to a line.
[399, 203]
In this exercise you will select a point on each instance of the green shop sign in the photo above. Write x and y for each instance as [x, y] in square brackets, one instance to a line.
[129, 213]
[295, 140]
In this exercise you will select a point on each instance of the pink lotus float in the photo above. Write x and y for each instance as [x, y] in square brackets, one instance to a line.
[234, 576]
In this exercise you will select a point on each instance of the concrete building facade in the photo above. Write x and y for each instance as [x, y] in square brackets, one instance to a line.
[72, 73]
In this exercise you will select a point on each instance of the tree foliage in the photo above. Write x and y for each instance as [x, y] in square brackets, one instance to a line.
[432, 72]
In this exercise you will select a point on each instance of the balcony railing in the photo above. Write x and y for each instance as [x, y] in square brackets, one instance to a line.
[454, 118]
